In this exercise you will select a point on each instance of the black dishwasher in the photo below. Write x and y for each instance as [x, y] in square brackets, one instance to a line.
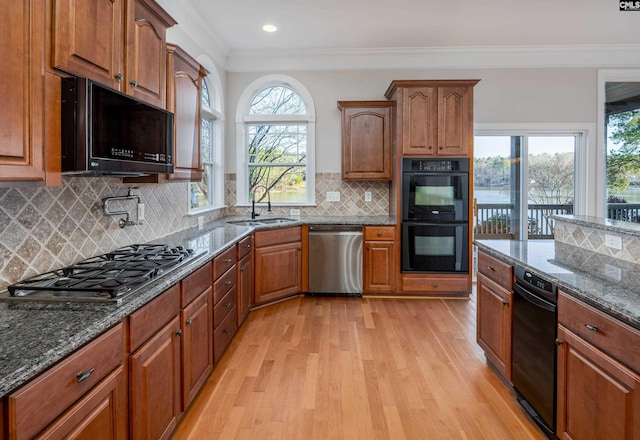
[533, 369]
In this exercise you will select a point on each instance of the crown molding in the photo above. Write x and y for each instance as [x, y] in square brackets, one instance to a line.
[610, 56]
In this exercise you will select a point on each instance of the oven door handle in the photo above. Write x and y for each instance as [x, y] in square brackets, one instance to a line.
[534, 299]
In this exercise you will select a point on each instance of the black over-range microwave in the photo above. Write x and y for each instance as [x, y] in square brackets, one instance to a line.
[105, 132]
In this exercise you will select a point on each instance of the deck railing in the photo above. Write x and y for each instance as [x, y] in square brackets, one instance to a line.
[494, 220]
[628, 212]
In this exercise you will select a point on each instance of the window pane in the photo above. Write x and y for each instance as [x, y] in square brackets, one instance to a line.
[286, 184]
[206, 102]
[277, 143]
[205, 140]
[277, 101]
[200, 190]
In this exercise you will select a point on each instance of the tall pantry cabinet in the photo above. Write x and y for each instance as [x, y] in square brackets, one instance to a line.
[432, 119]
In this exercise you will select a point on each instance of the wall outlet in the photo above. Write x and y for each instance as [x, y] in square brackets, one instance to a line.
[613, 272]
[333, 196]
[200, 222]
[367, 196]
[294, 212]
[613, 241]
[140, 212]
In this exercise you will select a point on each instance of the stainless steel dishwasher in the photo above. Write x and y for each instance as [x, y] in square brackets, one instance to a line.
[335, 260]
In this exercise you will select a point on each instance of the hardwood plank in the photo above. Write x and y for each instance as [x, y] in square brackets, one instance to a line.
[343, 368]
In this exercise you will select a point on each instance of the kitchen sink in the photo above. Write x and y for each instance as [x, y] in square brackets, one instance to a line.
[266, 221]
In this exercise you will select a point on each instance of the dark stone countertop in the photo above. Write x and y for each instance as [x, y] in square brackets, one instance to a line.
[36, 334]
[618, 299]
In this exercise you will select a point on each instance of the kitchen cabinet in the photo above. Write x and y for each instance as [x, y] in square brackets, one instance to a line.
[197, 332]
[366, 140]
[89, 383]
[225, 297]
[154, 363]
[379, 259]
[598, 381]
[433, 117]
[184, 91]
[118, 43]
[30, 112]
[278, 264]
[245, 277]
[494, 311]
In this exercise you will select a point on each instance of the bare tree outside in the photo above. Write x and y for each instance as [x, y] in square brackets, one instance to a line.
[277, 147]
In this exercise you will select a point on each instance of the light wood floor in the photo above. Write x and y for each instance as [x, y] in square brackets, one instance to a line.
[338, 368]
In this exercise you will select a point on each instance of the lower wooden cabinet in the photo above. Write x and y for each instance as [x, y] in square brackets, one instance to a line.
[493, 323]
[378, 259]
[100, 415]
[155, 384]
[245, 287]
[598, 398]
[278, 264]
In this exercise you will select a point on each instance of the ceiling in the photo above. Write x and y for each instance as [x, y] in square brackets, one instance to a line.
[363, 26]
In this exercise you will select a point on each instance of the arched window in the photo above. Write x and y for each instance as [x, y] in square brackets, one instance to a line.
[275, 139]
[209, 192]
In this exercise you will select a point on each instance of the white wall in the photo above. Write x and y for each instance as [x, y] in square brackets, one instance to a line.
[518, 95]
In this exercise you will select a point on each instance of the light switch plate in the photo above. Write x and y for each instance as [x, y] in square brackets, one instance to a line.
[200, 222]
[333, 196]
[613, 241]
[294, 212]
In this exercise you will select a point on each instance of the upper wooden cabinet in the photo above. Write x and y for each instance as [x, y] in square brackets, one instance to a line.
[366, 140]
[118, 43]
[434, 117]
[30, 113]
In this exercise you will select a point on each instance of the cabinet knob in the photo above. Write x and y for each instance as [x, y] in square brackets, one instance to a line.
[430, 147]
[189, 321]
[380, 234]
[228, 283]
[505, 302]
[84, 375]
[228, 260]
[118, 77]
[434, 285]
[559, 341]
[179, 332]
[248, 246]
[368, 248]
[490, 268]
[592, 327]
[228, 305]
[133, 84]
[441, 147]
[227, 331]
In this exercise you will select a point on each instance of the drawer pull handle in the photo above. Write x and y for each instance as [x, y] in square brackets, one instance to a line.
[82, 376]
[228, 283]
[189, 321]
[228, 260]
[592, 327]
[490, 268]
[227, 331]
[228, 305]
[248, 246]
[380, 234]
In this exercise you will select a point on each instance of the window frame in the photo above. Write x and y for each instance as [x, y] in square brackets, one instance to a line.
[243, 119]
[215, 113]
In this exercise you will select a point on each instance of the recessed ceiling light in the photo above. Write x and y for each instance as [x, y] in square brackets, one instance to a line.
[269, 28]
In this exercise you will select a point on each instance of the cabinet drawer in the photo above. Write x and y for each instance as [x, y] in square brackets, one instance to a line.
[379, 233]
[224, 284]
[145, 322]
[435, 285]
[224, 333]
[498, 271]
[605, 332]
[223, 262]
[43, 399]
[196, 283]
[224, 306]
[278, 236]
[245, 246]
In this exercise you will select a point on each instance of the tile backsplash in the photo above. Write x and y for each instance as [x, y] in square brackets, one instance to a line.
[42, 229]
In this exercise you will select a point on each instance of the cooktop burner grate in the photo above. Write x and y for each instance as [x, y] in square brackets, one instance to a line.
[109, 276]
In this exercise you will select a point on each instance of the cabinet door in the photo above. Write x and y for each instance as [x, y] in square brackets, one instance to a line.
[155, 385]
[146, 52]
[183, 99]
[493, 327]
[30, 111]
[245, 287]
[598, 398]
[88, 39]
[454, 121]
[278, 272]
[100, 415]
[366, 140]
[197, 345]
[419, 121]
[378, 271]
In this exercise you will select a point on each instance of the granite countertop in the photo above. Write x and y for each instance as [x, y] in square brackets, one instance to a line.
[34, 335]
[617, 299]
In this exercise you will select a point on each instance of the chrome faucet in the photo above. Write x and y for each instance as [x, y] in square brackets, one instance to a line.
[254, 214]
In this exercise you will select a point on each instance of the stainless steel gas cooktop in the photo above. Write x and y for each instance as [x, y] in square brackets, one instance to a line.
[106, 278]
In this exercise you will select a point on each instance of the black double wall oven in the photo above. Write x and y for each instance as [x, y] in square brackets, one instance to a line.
[435, 214]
